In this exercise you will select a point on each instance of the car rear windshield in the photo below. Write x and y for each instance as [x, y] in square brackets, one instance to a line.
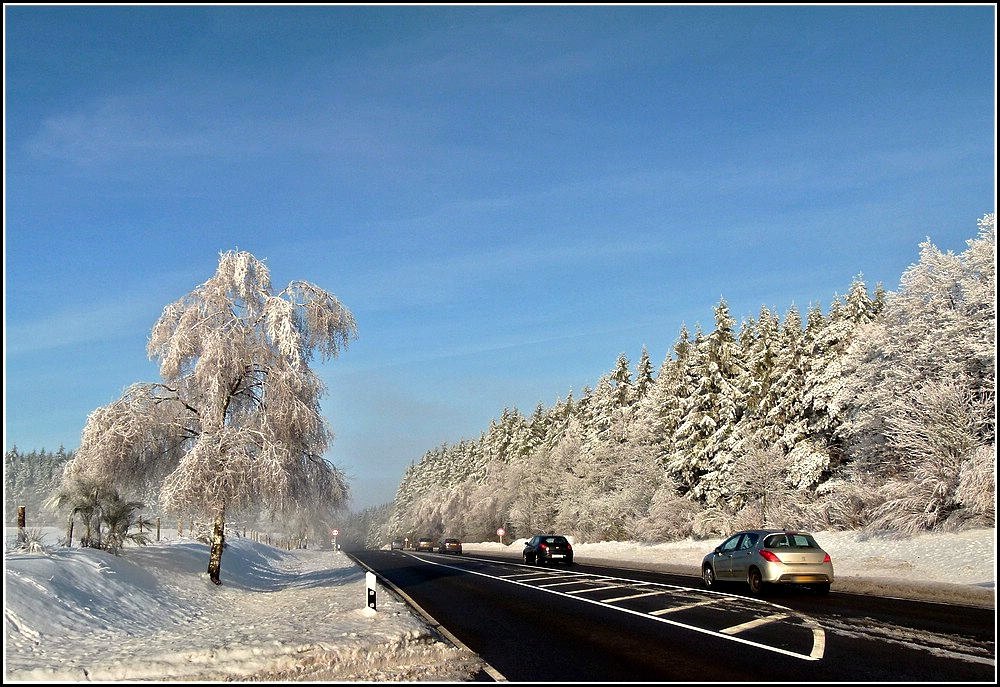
[795, 540]
[560, 541]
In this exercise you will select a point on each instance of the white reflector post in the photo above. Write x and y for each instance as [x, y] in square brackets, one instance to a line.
[370, 584]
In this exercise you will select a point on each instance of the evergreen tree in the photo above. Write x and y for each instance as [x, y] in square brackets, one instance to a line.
[711, 411]
[621, 380]
[660, 410]
[643, 376]
[826, 396]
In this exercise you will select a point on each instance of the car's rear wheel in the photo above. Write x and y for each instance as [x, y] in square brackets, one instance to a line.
[539, 560]
[708, 577]
[821, 589]
[755, 581]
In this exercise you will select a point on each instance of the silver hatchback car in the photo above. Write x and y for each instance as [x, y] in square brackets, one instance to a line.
[762, 557]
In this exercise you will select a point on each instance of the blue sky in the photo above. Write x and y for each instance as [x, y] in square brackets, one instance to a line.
[506, 197]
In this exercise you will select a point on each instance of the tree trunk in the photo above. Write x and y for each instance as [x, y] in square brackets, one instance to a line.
[218, 539]
[22, 534]
[69, 531]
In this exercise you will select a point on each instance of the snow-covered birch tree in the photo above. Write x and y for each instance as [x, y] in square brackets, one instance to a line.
[235, 422]
[922, 383]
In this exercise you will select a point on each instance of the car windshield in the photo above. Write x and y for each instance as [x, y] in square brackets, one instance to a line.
[555, 540]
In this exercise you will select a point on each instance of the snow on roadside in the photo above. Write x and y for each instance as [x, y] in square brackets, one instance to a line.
[153, 614]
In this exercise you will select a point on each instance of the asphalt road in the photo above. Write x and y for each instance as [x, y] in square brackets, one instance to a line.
[597, 624]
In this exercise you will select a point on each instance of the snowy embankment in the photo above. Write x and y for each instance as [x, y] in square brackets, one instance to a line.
[152, 614]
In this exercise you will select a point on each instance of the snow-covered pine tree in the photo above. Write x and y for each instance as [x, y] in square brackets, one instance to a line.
[827, 397]
[643, 375]
[712, 409]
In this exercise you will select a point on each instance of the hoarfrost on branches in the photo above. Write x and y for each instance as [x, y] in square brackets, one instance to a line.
[235, 423]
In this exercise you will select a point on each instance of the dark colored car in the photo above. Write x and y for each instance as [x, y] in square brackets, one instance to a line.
[425, 544]
[762, 557]
[450, 545]
[548, 548]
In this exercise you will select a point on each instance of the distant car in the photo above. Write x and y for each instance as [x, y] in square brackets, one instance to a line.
[450, 545]
[548, 548]
[425, 544]
[396, 544]
[762, 557]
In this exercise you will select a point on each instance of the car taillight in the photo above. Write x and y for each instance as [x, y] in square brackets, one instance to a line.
[543, 547]
[826, 559]
[569, 547]
[769, 556]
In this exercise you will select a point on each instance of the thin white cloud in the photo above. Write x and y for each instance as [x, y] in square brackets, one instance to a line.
[98, 322]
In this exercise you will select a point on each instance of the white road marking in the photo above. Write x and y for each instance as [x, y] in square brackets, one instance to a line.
[819, 637]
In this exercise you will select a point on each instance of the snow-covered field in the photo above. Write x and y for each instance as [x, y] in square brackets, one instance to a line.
[152, 613]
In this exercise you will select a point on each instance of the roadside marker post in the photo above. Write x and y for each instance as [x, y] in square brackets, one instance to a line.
[370, 584]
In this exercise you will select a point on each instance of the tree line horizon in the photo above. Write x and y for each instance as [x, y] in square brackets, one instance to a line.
[878, 415]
